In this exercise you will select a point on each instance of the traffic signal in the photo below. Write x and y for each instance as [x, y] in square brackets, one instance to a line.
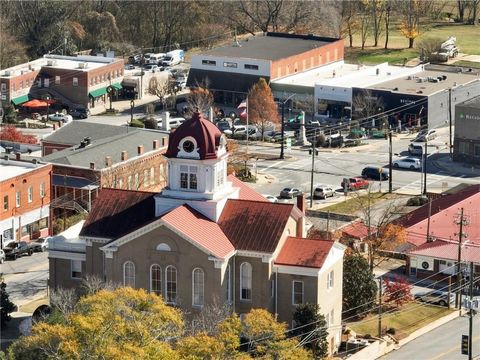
[464, 344]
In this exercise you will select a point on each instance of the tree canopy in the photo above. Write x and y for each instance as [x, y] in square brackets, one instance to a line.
[262, 109]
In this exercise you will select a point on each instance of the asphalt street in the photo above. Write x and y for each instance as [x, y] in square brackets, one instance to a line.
[442, 343]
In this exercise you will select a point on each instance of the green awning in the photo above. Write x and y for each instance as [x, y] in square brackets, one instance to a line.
[117, 86]
[98, 92]
[20, 100]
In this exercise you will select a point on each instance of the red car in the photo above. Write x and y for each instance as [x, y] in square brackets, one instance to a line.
[355, 183]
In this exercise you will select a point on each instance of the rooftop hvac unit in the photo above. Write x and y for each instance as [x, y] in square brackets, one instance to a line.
[82, 65]
[51, 63]
[419, 80]
[8, 72]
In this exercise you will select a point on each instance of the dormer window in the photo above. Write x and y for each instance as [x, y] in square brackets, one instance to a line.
[188, 177]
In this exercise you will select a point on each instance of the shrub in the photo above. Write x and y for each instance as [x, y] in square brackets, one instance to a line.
[151, 123]
[137, 123]
[391, 331]
[9, 115]
[417, 201]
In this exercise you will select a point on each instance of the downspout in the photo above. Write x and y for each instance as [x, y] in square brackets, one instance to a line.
[276, 291]
[233, 285]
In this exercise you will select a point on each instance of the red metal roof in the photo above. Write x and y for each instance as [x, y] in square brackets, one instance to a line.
[206, 233]
[246, 193]
[205, 133]
[254, 225]
[448, 250]
[118, 212]
[356, 230]
[304, 252]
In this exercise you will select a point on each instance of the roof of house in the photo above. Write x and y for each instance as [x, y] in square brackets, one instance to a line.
[304, 252]
[271, 46]
[448, 250]
[118, 212]
[198, 228]
[356, 230]
[74, 132]
[246, 192]
[443, 217]
[111, 146]
[254, 225]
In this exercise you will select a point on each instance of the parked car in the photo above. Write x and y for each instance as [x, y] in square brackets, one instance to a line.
[271, 198]
[152, 68]
[425, 135]
[16, 249]
[60, 117]
[223, 125]
[375, 173]
[40, 244]
[135, 59]
[322, 192]
[415, 149]
[435, 297]
[290, 193]
[181, 83]
[129, 67]
[354, 183]
[2, 256]
[80, 113]
[408, 163]
[276, 136]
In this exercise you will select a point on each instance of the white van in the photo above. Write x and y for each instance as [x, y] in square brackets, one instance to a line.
[173, 57]
[172, 122]
[156, 58]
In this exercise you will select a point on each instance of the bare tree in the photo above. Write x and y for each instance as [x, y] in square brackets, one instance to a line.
[377, 11]
[365, 105]
[461, 6]
[92, 284]
[350, 23]
[162, 88]
[388, 11]
[210, 317]
[64, 300]
[199, 99]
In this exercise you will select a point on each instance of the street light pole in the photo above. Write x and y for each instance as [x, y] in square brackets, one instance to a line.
[282, 145]
[314, 152]
[48, 106]
[390, 167]
[425, 166]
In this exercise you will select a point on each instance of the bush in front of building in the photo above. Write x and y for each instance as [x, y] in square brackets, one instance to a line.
[150, 123]
[417, 201]
[137, 123]
[60, 225]
[9, 115]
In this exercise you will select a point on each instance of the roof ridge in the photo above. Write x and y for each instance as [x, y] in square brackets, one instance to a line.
[313, 239]
[129, 190]
[261, 202]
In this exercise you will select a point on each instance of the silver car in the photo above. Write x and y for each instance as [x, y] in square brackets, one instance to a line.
[323, 191]
[290, 193]
[2, 256]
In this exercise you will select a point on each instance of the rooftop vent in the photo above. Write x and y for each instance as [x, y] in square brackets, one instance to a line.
[82, 65]
[51, 63]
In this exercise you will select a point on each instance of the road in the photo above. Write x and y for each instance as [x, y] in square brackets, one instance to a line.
[443, 343]
[25, 277]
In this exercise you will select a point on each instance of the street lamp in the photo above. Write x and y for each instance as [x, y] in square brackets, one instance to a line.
[132, 105]
[47, 98]
[282, 156]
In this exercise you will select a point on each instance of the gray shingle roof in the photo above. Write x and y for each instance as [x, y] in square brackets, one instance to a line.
[111, 146]
[74, 132]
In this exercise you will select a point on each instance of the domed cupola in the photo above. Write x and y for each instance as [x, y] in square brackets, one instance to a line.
[196, 138]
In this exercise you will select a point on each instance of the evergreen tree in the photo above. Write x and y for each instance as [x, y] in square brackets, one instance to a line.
[308, 319]
[7, 306]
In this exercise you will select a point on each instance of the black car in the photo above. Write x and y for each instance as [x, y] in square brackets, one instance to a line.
[15, 249]
[375, 173]
[80, 113]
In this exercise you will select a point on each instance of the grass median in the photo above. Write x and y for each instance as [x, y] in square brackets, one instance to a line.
[356, 202]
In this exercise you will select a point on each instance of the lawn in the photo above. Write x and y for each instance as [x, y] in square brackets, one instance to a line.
[467, 41]
[356, 202]
[405, 321]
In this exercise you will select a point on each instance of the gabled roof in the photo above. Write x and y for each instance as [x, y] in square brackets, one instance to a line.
[356, 230]
[75, 131]
[118, 212]
[444, 214]
[448, 250]
[111, 146]
[304, 252]
[254, 225]
[246, 192]
[204, 232]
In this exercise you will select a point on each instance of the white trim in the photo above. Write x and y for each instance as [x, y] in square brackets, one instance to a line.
[296, 270]
[266, 257]
[293, 292]
[95, 239]
[202, 288]
[241, 281]
[66, 255]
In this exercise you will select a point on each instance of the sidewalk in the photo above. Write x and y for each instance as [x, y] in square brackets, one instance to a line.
[122, 105]
[445, 163]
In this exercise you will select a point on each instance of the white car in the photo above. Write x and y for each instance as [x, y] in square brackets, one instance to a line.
[60, 117]
[408, 163]
[152, 68]
[271, 198]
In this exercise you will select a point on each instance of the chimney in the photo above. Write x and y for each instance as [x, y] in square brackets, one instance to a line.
[301, 222]
[140, 149]
[92, 165]
[124, 155]
[17, 156]
[301, 203]
[166, 121]
[108, 161]
[156, 144]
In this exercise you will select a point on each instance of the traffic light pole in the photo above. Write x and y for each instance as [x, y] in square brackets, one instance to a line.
[470, 317]
[390, 165]
[314, 150]
[425, 155]
[282, 155]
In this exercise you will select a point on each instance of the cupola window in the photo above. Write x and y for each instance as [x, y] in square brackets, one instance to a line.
[188, 177]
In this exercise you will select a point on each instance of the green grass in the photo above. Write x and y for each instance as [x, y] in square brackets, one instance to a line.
[468, 64]
[371, 56]
[356, 203]
[409, 318]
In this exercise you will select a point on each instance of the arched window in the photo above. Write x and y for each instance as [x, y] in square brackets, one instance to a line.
[245, 281]
[171, 284]
[129, 274]
[163, 247]
[156, 279]
[197, 287]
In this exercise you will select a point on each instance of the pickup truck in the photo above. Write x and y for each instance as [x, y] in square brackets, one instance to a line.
[355, 183]
[15, 249]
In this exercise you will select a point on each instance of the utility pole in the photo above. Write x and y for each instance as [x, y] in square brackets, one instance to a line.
[314, 152]
[390, 165]
[461, 222]
[450, 122]
[470, 315]
[142, 61]
[425, 166]
[429, 216]
[380, 307]
[282, 145]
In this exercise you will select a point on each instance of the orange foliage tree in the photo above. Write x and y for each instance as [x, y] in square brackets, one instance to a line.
[397, 291]
[262, 109]
[10, 133]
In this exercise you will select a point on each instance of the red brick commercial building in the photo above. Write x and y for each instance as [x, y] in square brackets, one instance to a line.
[25, 192]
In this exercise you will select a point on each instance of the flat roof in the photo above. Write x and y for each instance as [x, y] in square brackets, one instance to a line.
[11, 168]
[60, 62]
[340, 74]
[271, 46]
[421, 83]
[472, 103]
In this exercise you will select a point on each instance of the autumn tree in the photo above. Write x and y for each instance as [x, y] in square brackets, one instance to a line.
[10, 133]
[311, 324]
[411, 13]
[349, 16]
[397, 291]
[199, 99]
[262, 109]
[359, 286]
[386, 20]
